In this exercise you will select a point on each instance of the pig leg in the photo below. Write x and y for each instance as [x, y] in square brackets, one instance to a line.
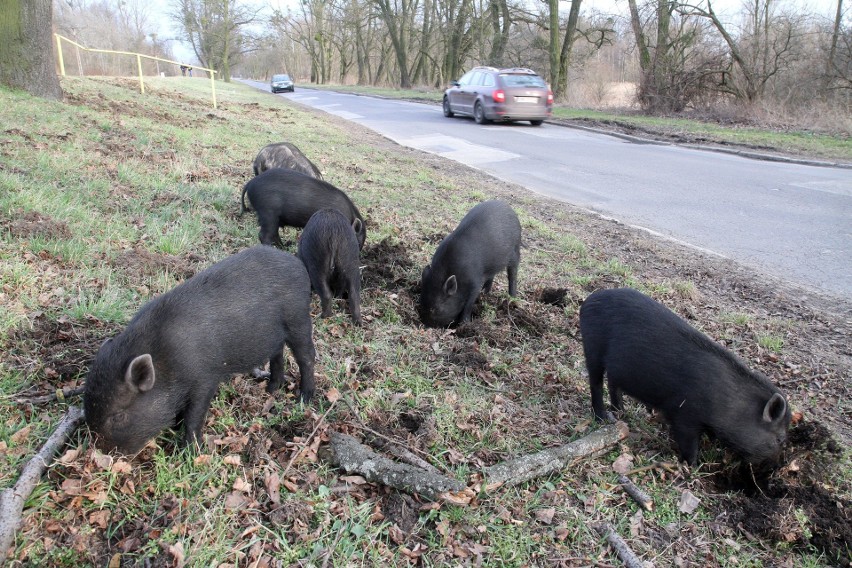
[487, 286]
[268, 233]
[512, 273]
[472, 295]
[354, 294]
[615, 396]
[326, 296]
[276, 371]
[687, 435]
[194, 414]
[596, 374]
[303, 352]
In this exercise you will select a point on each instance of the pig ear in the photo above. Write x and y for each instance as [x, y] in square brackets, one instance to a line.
[775, 408]
[140, 373]
[451, 286]
[357, 225]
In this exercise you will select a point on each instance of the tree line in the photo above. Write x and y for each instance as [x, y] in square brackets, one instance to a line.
[681, 54]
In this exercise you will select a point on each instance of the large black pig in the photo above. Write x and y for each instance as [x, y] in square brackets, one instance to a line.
[329, 248]
[166, 366]
[283, 197]
[284, 155]
[486, 241]
[650, 353]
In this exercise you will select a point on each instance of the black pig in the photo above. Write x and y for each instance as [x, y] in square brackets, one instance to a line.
[283, 197]
[166, 366]
[284, 155]
[329, 248]
[487, 240]
[653, 355]
[280, 155]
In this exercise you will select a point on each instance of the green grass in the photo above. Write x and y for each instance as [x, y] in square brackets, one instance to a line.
[126, 194]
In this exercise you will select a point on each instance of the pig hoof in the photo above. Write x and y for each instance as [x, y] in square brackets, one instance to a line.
[258, 373]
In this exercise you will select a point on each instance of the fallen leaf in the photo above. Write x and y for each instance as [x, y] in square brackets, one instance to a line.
[623, 464]
[332, 394]
[121, 466]
[202, 459]
[240, 484]
[232, 459]
[272, 481]
[176, 552]
[545, 515]
[99, 518]
[236, 500]
[21, 434]
[69, 456]
[353, 479]
[103, 461]
[688, 502]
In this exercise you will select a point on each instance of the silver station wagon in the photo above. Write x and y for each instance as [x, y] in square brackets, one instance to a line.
[505, 95]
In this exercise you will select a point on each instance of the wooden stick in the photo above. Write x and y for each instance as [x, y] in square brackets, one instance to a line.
[12, 499]
[617, 543]
[307, 441]
[551, 460]
[643, 499]
[58, 394]
[354, 457]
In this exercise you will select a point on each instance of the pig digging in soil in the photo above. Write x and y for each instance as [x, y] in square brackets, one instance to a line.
[650, 353]
[329, 248]
[165, 367]
[486, 241]
[283, 198]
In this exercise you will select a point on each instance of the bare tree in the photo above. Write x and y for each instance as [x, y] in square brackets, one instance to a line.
[26, 47]
[216, 30]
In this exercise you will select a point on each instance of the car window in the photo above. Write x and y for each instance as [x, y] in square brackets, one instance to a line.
[488, 80]
[477, 77]
[465, 79]
[512, 80]
[280, 77]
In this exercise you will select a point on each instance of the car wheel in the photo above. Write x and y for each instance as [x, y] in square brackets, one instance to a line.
[479, 113]
[536, 122]
[448, 112]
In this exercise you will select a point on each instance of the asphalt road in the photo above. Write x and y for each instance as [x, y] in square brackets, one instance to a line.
[792, 221]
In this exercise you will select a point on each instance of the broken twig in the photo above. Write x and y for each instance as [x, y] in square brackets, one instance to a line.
[58, 394]
[551, 460]
[617, 543]
[12, 499]
[354, 457]
[642, 499]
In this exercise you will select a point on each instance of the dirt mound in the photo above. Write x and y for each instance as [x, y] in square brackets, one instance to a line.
[796, 503]
[34, 224]
[138, 263]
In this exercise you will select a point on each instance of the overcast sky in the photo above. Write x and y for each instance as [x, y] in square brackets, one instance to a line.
[158, 11]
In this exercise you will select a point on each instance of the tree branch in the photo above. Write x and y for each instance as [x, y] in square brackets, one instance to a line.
[12, 499]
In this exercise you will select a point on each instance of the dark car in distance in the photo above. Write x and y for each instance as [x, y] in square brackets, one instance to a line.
[282, 82]
[506, 95]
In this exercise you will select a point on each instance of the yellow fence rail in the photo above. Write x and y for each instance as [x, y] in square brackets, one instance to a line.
[138, 56]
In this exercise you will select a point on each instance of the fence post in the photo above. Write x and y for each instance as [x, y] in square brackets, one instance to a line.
[213, 86]
[59, 51]
[141, 81]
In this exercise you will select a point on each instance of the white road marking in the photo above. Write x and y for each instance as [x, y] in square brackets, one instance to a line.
[456, 149]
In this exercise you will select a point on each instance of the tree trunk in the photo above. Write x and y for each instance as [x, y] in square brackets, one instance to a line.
[561, 86]
[26, 47]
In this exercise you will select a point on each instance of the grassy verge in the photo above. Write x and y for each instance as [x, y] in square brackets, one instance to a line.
[799, 142]
[112, 197]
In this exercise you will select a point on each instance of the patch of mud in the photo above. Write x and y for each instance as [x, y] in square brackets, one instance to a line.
[25, 225]
[401, 509]
[57, 351]
[467, 357]
[386, 264]
[553, 296]
[793, 504]
[140, 263]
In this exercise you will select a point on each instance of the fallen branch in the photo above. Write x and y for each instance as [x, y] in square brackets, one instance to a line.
[617, 543]
[12, 499]
[551, 460]
[58, 394]
[354, 457]
[642, 499]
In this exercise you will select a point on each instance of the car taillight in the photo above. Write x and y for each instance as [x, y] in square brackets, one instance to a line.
[499, 96]
[550, 97]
